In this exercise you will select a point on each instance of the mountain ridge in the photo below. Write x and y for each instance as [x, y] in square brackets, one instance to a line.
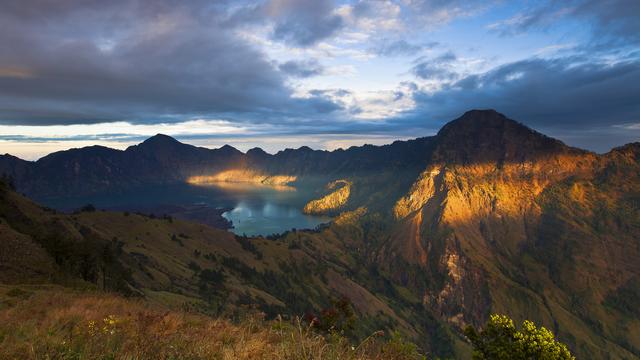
[167, 139]
[478, 135]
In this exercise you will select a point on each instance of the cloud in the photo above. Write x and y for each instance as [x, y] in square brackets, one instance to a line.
[614, 21]
[64, 63]
[437, 68]
[400, 47]
[297, 23]
[304, 23]
[302, 68]
[433, 13]
[373, 17]
[539, 17]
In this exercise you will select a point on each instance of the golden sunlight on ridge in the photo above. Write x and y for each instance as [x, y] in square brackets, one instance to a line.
[340, 191]
[230, 178]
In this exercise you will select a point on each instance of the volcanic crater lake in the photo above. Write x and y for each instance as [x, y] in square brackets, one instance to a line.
[252, 209]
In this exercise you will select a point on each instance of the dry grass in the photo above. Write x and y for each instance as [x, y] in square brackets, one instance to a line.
[60, 324]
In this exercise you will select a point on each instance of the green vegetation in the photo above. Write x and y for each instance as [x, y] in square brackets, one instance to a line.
[500, 340]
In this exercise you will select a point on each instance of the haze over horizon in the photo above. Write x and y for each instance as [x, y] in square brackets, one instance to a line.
[325, 74]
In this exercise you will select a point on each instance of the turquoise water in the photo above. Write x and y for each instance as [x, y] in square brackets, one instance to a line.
[253, 209]
[265, 210]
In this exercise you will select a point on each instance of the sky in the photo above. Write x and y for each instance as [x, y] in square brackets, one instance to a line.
[326, 74]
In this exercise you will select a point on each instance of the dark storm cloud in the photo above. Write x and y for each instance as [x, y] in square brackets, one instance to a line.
[304, 23]
[558, 95]
[300, 23]
[69, 62]
[302, 68]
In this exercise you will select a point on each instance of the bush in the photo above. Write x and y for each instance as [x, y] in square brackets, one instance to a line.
[500, 340]
[339, 317]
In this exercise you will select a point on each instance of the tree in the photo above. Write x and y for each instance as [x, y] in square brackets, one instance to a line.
[500, 340]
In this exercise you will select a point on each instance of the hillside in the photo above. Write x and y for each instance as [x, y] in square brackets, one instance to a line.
[430, 235]
[188, 266]
[90, 325]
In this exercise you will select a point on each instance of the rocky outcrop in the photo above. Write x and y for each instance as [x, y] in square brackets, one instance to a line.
[336, 199]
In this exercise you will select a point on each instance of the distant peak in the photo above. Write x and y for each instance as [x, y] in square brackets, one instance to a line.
[485, 112]
[161, 138]
[490, 135]
[256, 151]
[478, 120]
[9, 156]
[228, 149]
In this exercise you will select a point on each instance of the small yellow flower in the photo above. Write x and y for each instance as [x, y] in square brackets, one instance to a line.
[110, 324]
[92, 328]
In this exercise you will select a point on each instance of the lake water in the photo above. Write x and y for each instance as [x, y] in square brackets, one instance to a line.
[253, 209]
[263, 210]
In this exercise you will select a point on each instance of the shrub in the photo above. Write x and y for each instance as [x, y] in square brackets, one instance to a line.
[500, 340]
[339, 317]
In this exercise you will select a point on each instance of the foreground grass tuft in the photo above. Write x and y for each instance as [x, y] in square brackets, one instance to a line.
[59, 324]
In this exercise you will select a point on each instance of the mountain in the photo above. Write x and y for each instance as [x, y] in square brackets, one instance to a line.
[486, 135]
[429, 235]
[163, 160]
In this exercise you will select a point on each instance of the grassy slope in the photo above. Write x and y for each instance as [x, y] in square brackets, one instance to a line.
[169, 263]
[53, 322]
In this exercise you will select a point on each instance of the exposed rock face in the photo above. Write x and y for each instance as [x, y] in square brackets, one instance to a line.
[340, 191]
[421, 192]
